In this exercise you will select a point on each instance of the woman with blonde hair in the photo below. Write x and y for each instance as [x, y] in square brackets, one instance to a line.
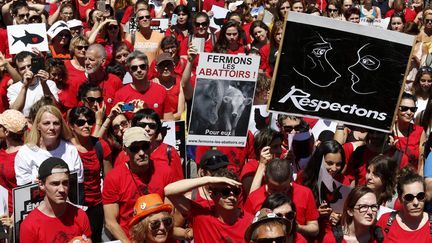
[49, 137]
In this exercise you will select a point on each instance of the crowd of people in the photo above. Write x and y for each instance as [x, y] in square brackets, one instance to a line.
[94, 105]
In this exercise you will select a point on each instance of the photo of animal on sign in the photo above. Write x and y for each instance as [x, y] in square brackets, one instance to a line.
[25, 37]
[222, 101]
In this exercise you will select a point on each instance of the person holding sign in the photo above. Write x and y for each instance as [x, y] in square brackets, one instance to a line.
[55, 220]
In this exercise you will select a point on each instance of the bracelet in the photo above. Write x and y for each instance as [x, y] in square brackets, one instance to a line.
[187, 237]
[340, 127]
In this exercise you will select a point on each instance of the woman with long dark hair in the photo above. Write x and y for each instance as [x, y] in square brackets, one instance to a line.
[229, 40]
[269, 52]
[184, 24]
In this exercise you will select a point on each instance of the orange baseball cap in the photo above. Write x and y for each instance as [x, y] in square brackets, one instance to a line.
[148, 204]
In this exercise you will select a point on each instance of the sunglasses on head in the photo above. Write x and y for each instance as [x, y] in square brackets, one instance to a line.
[82, 122]
[135, 148]
[203, 24]
[123, 123]
[406, 108]
[425, 69]
[290, 215]
[94, 99]
[289, 129]
[155, 224]
[410, 197]
[151, 125]
[144, 17]
[280, 239]
[134, 68]
[226, 192]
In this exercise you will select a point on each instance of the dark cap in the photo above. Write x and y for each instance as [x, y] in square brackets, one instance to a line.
[213, 159]
[163, 57]
[262, 216]
[51, 166]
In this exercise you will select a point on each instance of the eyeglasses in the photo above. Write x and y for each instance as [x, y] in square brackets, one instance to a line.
[203, 24]
[410, 197]
[82, 122]
[406, 108]
[123, 123]
[136, 147]
[281, 239]
[81, 48]
[23, 16]
[289, 129]
[35, 19]
[144, 17]
[290, 215]
[155, 224]
[134, 68]
[112, 27]
[94, 99]
[363, 208]
[425, 69]
[332, 10]
[165, 64]
[226, 192]
[151, 125]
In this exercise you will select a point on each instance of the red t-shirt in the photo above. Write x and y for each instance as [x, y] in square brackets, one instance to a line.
[40, 228]
[208, 4]
[178, 69]
[208, 228]
[409, 14]
[7, 174]
[155, 97]
[160, 155]
[123, 187]
[75, 79]
[413, 140]
[184, 46]
[92, 169]
[397, 234]
[330, 238]
[4, 104]
[302, 197]
[4, 46]
[109, 88]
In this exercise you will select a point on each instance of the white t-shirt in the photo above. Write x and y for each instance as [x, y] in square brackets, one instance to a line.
[28, 160]
[34, 93]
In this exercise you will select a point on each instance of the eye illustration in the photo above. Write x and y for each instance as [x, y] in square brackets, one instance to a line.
[318, 52]
[370, 62]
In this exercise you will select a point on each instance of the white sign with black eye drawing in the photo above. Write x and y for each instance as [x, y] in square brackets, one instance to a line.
[23, 37]
[223, 97]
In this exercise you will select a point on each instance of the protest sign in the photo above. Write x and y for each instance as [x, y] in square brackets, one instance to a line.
[379, 23]
[223, 97]
[218, 18]
[4, 198]
[28, 197]
[331, 191]
[340, 71]
[23, 37]
[160, 25]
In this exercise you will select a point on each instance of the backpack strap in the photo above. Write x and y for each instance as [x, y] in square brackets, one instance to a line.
[390, 221]
[378, 234]
[194, 194]
[169, 154]
[99, 152]
[338, 233]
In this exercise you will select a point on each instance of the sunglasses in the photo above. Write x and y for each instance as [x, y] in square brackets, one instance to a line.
[82, 122]
[155, 224]
[134, 68]
[112, 27]
[94, 99]
[363, 208]
[81, 47]
[23, 16]
[136, 147]
[289, 129]
[410, 197]
[281, 239]
[406, 108]
[151, 125]
[35, 19]
[123, 123]
[425, 69]
[144, 17]
[428, 20]
[290, 215]
[332, 10]
[226, 192]
[203, 24]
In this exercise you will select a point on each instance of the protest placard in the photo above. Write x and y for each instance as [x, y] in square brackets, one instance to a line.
[160, 25]
[340, 71]
[23, 37]
[28, 197]
[218, 18]
[223, 97]
[331, 191]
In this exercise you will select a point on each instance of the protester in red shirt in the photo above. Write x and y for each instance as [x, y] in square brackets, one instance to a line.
[75, 67]
[222, 222]
[152, 94]
[200, 30]
[229, 40]
[260, 33]
[55, 219]
[183, 26]
[358, 219]
[410, 223]
[96, 157]
[399, 6]
[127, 181]
[269, 52]
[278, 176]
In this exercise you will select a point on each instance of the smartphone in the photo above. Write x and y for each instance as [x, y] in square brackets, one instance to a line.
[199, 44]
[100, 5]
[37, 63]
[127, 107]
[174, 18]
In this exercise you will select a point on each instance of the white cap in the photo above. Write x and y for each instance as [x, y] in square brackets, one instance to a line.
[74, 23]
[56, 28]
